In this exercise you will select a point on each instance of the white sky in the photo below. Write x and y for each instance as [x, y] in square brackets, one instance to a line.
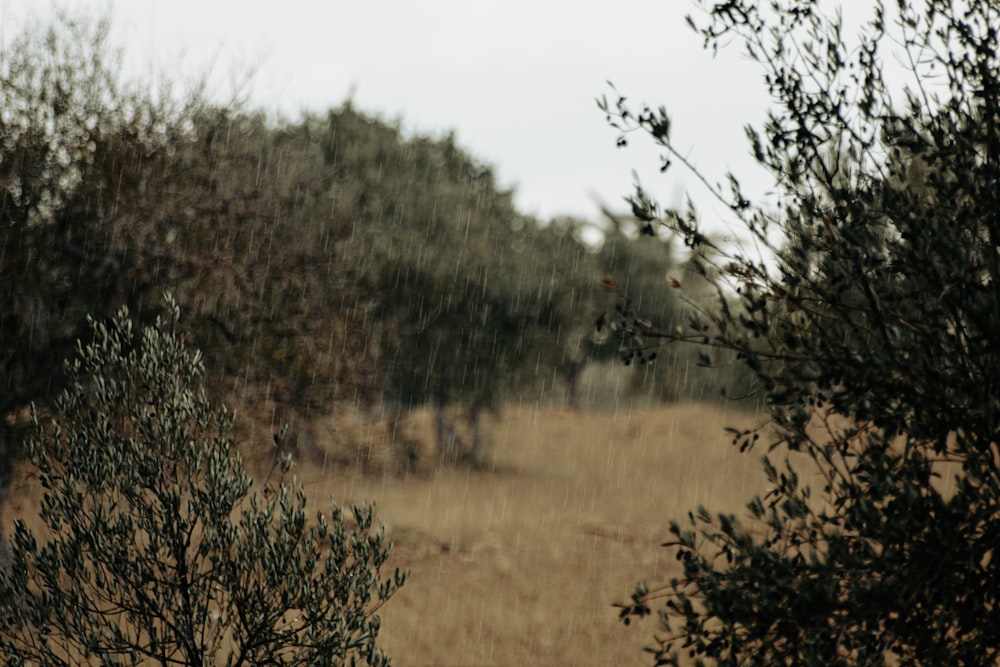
[515, 79]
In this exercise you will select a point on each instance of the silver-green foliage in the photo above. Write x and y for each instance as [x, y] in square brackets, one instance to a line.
[154, 548]
[62, 98]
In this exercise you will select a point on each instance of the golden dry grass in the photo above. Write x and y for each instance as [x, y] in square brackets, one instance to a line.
[520, 563]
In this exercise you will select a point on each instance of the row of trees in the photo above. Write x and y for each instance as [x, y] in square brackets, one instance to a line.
[320, 260]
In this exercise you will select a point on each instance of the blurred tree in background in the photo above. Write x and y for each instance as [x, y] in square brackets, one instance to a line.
[461, 289]
[322, 261]
[557, 257]
[78, 147]
[872, 330]
[273, 233]
[658, 288]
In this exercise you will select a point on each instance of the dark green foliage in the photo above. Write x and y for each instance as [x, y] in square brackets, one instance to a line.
[69, 134]
[566, 337]
[655, 290]
[257, 223]
[75, 144]
[875, 321]
[433, 238]
[463, 297]
[323, 260]
[154, 549]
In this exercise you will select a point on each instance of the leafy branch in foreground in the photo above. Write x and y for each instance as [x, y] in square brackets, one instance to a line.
[154, 548]
[872, 330]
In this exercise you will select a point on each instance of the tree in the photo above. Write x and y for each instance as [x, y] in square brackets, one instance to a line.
[564, 343]
[152, 548]
[78, 147]
[433, 241]
[325, 260]
[654, 288]
[465, 296]
[872, 329]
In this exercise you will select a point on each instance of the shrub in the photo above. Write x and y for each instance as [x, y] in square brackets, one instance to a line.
[155, 550]
[872, 330]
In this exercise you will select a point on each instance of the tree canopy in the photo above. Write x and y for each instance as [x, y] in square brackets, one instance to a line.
[323, 260]
[872, 330]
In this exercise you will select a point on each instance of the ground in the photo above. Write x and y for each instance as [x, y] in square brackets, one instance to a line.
[519, 563]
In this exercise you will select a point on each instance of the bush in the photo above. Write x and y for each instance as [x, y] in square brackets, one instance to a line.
[872, 330]
[154, 548]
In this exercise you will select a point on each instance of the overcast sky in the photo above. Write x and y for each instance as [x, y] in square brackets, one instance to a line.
[515, 79]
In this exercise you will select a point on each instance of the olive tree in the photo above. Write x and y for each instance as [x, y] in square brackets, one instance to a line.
[154, 549]
[78, 145]
[871, 327]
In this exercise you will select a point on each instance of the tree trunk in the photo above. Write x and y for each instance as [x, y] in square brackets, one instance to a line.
[475, 425]
[449, 444]
[572, 377]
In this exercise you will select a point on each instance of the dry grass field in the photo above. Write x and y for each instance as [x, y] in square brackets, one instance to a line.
[519, 564]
